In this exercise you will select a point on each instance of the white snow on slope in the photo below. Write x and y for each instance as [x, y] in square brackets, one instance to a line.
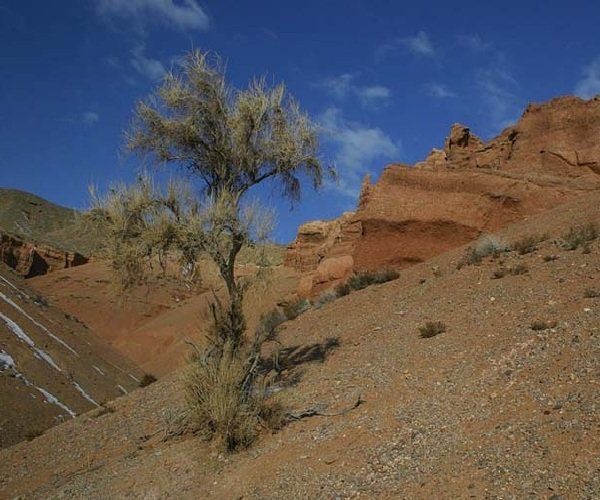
[23, 337]
[6, 361]
[85, 394]
[99, 370]
[20, 309]
[16, 289]
[52, 399]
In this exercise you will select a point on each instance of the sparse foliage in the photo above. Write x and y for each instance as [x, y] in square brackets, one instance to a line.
[432, 328]
[540, 325]
[484, 247]
[147, 379]
[580, 236]
[366, 278]
[528, 244]
[591, 293]
[228, 141]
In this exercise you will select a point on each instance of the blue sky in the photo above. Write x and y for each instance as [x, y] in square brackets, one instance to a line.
[385, 79]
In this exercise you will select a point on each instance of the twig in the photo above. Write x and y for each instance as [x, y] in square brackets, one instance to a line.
[314, 411]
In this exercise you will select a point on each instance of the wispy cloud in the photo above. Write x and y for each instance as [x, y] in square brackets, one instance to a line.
[589, 85]
[497, 91]
[343, 86]
[150, 68]
[356, 147]
[420, 44]
[374, 95]
[439, 91]
[90, 118]
[338, 86]
[185, 15]
[473, 42]
[87, 118]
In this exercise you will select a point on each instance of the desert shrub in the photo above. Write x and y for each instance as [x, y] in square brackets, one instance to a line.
[539, 325]
[295, 309]
[484, 247]
[365, 278]
[325, 298]
[269, 322]
[147, 379]
[528, 244]
[519, 269]
[580, 236]
[550, 258]
[226, 399]
[432, 328]
[591, 293]
[342, 290]
[499, 273]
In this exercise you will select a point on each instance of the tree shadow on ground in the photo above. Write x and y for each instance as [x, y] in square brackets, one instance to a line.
[286, 362]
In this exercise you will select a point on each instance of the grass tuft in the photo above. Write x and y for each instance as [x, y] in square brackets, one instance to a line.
[431, 329]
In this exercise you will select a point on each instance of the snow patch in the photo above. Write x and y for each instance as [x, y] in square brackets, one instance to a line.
[6, 361]
[23, 337]
[84, 394]
[134, 378]
[10, 362]
[52, 399]
[39, 325]
[123, 390]
[99, 370]
[16, 289]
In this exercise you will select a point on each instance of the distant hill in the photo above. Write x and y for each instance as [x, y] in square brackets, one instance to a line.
[35, 219]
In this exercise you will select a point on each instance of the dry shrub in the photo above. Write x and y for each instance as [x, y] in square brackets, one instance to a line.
[432, 328]
[366, 278]
[528, 244]
[295, 309]
[226, 401]
[580, 236]
[591, 293]
[147, 379]
[539, 325]
[484, 247]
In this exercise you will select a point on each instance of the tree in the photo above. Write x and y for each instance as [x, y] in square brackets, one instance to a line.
[228, 141]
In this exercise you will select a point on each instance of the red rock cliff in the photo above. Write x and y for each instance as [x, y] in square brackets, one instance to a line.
[469, 187]
[31, 259]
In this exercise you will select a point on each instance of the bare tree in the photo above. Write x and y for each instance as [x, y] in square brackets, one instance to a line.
[228, 141]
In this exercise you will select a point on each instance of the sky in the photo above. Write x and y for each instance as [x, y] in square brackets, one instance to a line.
[384, 80]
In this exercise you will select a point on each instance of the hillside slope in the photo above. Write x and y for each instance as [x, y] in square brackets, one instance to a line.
[51, 366]
[152, 323]
[491, 408]
[34, 219]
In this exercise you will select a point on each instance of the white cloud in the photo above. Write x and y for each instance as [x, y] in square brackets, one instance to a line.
[473, 42]
[150, 68]
[439, 91]
[185, 15]
[338, 86]
[496, 86]
[356, 147]
[342, 86]
[373, 95]
[589, 85]
[89, 118]
[419, 44]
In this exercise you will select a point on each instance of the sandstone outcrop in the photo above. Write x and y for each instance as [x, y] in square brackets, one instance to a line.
[32, 259]
[469, 187]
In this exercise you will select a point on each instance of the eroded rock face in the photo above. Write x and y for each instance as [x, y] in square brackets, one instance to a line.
[469, 187]
[31, 259]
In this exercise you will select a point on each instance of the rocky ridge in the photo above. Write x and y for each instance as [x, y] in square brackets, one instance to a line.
[469, 187]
